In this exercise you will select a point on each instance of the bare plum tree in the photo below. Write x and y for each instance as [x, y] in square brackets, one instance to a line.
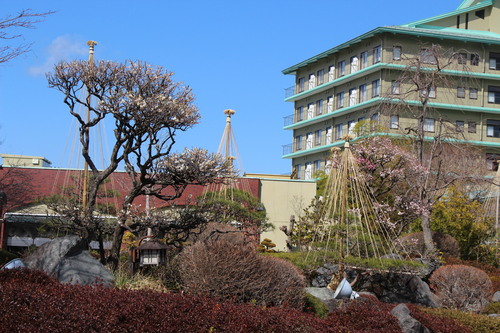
[25, 19]
[148, 108]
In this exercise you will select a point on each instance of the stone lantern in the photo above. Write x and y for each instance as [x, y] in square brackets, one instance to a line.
[152, 253]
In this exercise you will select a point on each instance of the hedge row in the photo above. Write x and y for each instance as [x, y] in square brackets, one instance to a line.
[30, 301]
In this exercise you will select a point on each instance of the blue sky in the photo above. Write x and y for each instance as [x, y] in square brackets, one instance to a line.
[230, 53]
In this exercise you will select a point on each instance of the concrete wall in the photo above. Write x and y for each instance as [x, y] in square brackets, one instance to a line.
[283, 198]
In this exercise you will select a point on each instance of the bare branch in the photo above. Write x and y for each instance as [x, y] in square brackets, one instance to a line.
[25, 19]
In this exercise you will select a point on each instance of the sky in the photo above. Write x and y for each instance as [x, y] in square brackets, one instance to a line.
[230, 52]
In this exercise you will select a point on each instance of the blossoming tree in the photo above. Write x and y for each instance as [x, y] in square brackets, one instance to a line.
[148, 108]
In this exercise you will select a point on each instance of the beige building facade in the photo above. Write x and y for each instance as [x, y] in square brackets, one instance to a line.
[283, 198]
[343, 88]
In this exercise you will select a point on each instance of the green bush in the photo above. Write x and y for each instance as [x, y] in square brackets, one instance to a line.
[312, 260]
[475, 322]
[314, 305]
[492, 308]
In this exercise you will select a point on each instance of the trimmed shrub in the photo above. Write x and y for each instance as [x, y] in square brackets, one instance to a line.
[238, 273]
[364, 315]
[438, 321]
[492, 308]
[492, 271]
[221, 231]
[473, 322]
[414, 244]
[33, 302]
[461, 287]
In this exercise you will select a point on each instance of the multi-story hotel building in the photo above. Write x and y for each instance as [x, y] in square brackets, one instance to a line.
[348, 83]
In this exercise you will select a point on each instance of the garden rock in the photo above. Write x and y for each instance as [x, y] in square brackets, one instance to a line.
[496, 297]
[325, 295]
[407, 323]
[67, 260]
[389, 287]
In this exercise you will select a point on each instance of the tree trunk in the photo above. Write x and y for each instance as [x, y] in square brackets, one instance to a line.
[114, 255]
[426, 229]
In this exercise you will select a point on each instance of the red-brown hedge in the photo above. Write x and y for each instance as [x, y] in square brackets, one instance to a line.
[461, 287]
[238, 273]
[30, 301]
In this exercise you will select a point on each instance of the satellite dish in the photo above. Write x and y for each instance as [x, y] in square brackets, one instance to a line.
[343, 290]
[14, 263]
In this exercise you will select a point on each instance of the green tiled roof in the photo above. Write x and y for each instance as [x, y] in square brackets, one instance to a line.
[461, 9]
[419, 28]
[428, 31]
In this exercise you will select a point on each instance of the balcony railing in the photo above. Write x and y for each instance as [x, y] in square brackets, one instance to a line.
[288, 120]
[289, 91]
[287, 149]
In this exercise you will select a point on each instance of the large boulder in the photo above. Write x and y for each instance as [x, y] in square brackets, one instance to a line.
[392, 287]
[325, 295]
[67, 260]
[389, 287]
[407, 323]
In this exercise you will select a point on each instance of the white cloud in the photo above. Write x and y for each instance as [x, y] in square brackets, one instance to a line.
[64, 47]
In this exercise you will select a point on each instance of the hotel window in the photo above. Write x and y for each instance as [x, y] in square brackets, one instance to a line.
[308, 171]
[301, 84]
[350, 126]
[320, 77]
[331, 73]
[429, 92]
[309, 140]
[339, 131]
[460, 124]
[494, 60]
[341, 68]
[460, 92]
[494, 95]
[298, 168]
[429, 125]
[364, 59]
[319, 107]
[328, 136]
[353, 96]
[310, 110]
[471, 127]
[462, 58]
[427, 56]
[375, 88]
[312, 81]
[394, 122]
[298, 142]
[300, 113]
[474, 59]
[354, 64]
[317, 138]
[377, 54]
[329, 104]
[316, 165]
[395, 87]
[362, 93]
[493, 128]
[472, 93]
[374, 121]
[396, 53]
[492, 161]
[340, 100]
